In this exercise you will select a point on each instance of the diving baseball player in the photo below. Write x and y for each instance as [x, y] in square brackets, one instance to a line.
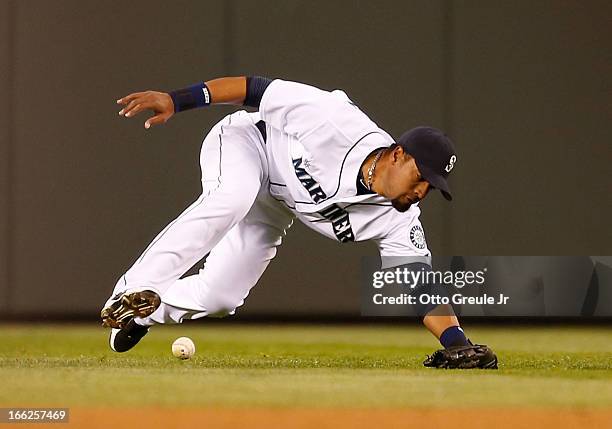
[308, 154]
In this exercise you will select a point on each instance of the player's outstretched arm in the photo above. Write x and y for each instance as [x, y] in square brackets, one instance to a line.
[225, 90]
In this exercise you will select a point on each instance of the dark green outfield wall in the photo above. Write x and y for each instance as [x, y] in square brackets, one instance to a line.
[522, 87]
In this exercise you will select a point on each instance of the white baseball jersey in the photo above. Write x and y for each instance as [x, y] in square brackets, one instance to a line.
[254, 184]
[316, 143]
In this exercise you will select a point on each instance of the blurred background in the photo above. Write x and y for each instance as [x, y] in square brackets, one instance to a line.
[522, 87]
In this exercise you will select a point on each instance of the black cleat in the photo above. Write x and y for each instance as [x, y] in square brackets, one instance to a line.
[128, 306]
[463, 357]
[122, 340]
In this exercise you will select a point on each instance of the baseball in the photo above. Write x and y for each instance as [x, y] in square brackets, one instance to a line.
[183, 348]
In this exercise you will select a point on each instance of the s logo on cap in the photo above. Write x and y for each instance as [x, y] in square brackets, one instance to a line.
[451, 164]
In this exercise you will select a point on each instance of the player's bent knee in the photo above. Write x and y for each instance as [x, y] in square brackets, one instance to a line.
[222, 307]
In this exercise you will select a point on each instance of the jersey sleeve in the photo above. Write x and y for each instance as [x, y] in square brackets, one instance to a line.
[255, 89]
[293, 108]
[404, 244]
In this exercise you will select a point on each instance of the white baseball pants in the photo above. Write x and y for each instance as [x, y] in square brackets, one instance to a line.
[235, 221]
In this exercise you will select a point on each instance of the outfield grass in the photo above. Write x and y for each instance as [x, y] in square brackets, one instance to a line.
[302, 366]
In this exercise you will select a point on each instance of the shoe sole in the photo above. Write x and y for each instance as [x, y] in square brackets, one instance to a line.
[130, 305]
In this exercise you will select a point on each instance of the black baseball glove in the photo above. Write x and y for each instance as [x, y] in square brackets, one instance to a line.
[463, 357]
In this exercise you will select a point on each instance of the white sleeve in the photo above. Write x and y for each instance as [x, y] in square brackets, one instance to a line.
[404, 244]
[293, 108]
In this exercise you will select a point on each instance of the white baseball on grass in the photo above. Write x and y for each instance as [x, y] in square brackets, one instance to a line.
[183, 348]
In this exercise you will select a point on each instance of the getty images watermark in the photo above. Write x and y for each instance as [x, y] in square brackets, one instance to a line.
[413, 280]
[559, 286]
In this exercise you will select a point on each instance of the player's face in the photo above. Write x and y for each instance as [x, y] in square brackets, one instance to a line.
[405, 185]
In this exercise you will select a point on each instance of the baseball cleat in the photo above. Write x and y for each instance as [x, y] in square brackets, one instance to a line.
[122, 340]
[128, 306]
[463, 357]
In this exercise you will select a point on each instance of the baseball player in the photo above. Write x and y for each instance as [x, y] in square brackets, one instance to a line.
[308, 154]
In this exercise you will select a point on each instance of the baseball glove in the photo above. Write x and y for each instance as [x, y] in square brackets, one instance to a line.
[463, 357]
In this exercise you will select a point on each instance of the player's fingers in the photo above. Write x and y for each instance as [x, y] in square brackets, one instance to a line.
[138, 108]
[133, 102]
[131, 105]
[125, 100]
[162, 118]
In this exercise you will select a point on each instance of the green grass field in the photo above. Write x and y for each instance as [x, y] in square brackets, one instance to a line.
[302, 366]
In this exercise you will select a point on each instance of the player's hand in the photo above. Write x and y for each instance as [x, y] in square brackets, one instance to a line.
[159, 102]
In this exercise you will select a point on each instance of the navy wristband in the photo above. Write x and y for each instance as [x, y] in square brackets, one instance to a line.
[196, 95]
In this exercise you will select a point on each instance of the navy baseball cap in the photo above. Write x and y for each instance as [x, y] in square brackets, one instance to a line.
[434, 154]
